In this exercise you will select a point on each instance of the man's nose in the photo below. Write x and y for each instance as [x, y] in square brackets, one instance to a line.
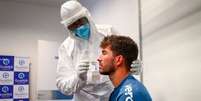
[99, 59]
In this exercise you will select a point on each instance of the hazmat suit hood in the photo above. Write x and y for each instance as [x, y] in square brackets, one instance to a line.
[72, 11]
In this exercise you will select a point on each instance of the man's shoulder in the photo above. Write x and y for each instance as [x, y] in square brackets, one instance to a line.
[130, 85]
[127, 85]
[133, 89]
[126, 92]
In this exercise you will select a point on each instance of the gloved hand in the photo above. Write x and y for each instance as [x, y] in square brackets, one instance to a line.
[82, 69]
[136, 67]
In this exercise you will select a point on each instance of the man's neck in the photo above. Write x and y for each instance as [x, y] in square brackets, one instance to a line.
[119, 75]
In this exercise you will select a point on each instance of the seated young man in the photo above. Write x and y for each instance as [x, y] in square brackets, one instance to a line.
[118, 52]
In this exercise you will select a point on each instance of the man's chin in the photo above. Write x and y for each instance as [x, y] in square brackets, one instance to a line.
[103, 73]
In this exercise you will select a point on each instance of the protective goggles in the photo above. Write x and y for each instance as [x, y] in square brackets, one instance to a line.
[78, 23]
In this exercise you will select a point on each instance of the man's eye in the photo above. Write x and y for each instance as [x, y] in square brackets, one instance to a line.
[104, 52]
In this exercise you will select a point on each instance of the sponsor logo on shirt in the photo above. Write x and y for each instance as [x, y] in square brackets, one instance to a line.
[128, 93]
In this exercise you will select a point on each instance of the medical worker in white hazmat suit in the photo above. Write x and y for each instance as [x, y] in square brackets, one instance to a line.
[77, 68]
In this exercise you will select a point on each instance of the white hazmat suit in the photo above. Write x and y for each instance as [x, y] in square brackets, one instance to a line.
[77, 68]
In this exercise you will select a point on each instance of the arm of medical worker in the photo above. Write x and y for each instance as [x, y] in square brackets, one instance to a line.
[67, 79]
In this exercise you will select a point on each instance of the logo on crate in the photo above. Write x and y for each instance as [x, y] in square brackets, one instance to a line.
[21, 75]
[21, 62]
[21, 91]
[6, 63]
[21, 88]
[21, 78]
[6, 91]
[21, 99]
[6, 77]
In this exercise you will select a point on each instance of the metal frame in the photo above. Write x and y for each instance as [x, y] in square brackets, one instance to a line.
[140, 39]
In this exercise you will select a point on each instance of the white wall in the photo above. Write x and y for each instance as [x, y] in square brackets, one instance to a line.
[172, 45]
[121, 14]
[47, 60]
[22, 25]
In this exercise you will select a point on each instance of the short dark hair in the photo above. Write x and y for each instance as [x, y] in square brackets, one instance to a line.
[121, 45]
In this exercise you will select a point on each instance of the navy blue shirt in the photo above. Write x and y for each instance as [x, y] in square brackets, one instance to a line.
[130, 89]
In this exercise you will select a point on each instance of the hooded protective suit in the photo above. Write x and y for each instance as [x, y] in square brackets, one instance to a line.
[94, 87]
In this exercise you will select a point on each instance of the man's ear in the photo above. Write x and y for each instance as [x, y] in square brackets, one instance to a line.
[118, 60]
